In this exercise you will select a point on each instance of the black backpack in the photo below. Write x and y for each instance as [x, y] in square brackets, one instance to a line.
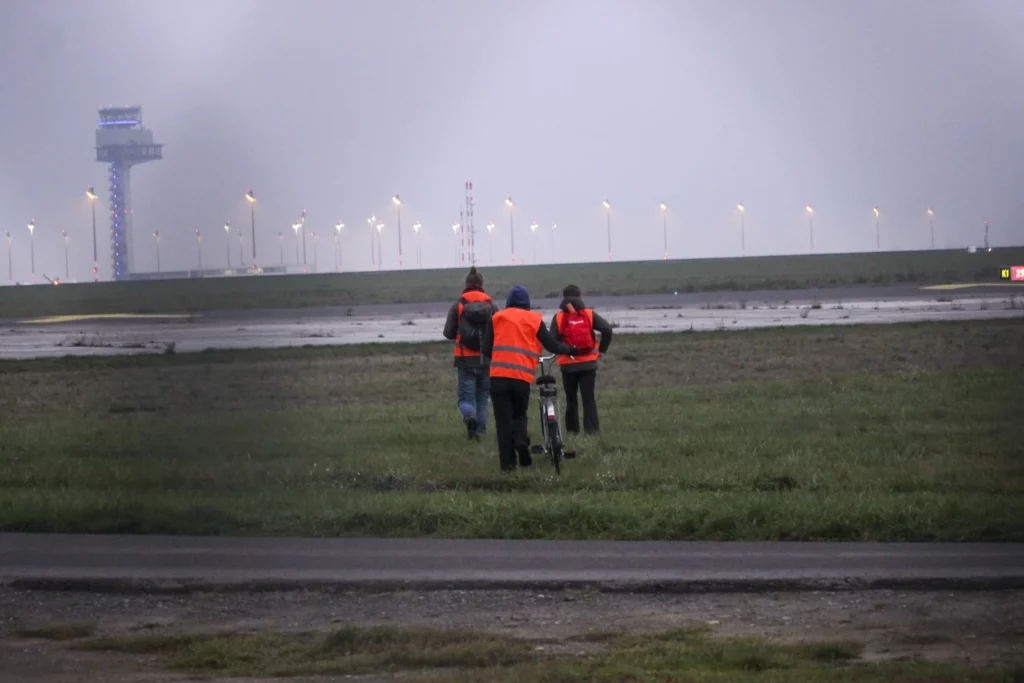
[473, 322]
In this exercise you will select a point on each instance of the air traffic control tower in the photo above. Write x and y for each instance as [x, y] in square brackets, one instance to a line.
[122, 142]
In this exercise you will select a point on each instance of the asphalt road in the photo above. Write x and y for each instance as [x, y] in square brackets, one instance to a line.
[180, 563]
[683, 299]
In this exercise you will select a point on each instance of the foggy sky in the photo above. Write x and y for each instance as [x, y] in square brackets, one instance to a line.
[334, 106]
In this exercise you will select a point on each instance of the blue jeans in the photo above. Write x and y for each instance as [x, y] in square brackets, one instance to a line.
[474, 392]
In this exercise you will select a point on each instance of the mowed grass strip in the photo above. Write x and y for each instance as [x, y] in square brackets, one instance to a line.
[347, 651]
[681, 654]
[58, 631]
[892, 432]
[805, 271]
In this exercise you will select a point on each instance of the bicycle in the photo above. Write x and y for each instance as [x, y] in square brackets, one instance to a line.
[550, 427]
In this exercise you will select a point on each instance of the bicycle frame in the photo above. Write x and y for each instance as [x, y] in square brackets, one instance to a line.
[550, 425]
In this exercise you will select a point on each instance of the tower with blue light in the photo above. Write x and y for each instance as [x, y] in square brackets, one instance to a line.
[122, 142]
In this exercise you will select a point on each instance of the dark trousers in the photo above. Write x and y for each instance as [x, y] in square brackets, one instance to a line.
[583, 382]
[510, 399]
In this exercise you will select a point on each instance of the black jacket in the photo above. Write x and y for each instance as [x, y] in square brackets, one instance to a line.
[601, 326]
[543, 336]
[451, 331]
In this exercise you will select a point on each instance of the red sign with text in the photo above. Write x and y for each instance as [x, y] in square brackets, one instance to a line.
[1012, 273]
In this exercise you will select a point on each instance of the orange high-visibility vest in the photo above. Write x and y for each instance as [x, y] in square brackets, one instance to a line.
[587, 358]
[516, 347]
[471, 296]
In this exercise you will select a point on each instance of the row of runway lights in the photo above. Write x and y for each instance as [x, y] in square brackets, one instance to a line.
[378, 227]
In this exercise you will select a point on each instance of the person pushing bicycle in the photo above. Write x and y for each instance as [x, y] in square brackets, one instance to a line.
[512, 345]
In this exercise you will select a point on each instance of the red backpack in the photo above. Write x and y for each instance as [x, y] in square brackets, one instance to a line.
[577, 329]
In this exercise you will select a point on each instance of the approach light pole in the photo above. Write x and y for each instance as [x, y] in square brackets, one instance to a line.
[511, 227]
[419, 253]
[302, 226]
[32, 245]
[553, 226]
[251, 198]
[743, 228]
[316, 266]
[533, 229]
[199, 248]
[280, 241]
[91, 194]
[337, 245]
[664, 227]
[156, 236]
[455, 232]
[67, 275]
[380, 240]
[10, 261]
[931, 224]
[372, 221]
[227, 240]
[810, 223]
[241, 249]
[490, 242]
[608, 213]
[878, 229]
[296, 226]
[398, 208]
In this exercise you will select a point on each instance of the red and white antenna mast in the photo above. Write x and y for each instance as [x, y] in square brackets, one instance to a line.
[469, 227]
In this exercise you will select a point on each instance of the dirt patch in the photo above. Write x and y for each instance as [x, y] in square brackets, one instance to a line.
[974, 627]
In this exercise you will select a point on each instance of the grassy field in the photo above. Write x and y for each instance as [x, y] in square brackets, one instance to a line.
[296, 291]
[869, 432]
[430, 655]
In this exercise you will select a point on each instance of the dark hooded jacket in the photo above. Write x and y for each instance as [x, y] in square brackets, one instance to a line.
[601, 326]
[451, 331]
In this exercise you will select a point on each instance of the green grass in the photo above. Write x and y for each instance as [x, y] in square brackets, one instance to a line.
[296, 291]
[59, 632]
[346, 651]
[684, 654]
[892, 432]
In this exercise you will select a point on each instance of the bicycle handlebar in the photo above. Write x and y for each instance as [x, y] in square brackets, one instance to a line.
[544, 360]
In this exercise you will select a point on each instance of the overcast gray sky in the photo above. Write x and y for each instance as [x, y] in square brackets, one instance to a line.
[334, 106]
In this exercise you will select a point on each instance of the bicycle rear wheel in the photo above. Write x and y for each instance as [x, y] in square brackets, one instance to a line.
[555, 444]
[549, 429]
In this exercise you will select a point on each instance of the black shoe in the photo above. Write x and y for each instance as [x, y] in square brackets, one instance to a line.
[471, 427]
[525, 459]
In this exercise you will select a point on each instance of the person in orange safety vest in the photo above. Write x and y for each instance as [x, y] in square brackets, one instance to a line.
[576, 324]
[513, 344]
[466, 325]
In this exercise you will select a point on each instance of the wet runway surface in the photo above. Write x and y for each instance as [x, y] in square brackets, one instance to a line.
[397, 323]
